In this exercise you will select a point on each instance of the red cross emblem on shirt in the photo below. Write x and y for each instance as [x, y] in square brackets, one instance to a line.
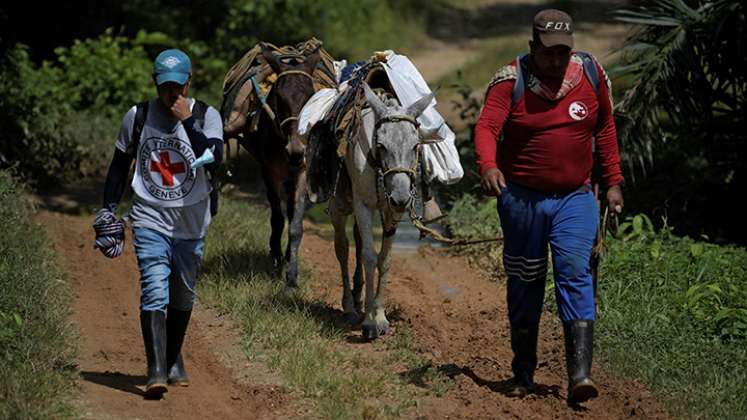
[166, 168]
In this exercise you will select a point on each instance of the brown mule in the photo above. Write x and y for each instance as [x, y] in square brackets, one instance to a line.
[280, 151]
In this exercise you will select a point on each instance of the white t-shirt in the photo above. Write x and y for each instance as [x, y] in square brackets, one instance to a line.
[169, 196]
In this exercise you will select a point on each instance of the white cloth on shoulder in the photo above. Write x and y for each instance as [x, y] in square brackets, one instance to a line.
[317, 107]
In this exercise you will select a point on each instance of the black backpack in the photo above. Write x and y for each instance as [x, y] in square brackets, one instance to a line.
[198, 112]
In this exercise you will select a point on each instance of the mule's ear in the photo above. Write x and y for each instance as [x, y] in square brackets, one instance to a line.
[271, 59]
[312, 60]
[376, 104]
[421, 105]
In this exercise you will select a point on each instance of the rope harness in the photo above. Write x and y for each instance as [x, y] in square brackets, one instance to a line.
[412, 172]
[382, 171]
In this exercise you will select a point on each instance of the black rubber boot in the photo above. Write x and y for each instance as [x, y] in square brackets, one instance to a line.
[153, 324]
[176, 327]
[579, 337]
[524, 346]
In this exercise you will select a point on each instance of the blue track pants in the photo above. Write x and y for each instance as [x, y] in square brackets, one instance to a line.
[568, 223]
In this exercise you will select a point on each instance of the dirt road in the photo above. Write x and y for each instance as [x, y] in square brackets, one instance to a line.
[111, 357]
[456, 315]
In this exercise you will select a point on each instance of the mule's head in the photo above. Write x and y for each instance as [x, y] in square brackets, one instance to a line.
[396, 145]
[293, 87]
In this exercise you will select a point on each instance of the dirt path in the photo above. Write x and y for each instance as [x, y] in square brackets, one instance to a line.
[458, 318]
[111, 358]
[455, 314]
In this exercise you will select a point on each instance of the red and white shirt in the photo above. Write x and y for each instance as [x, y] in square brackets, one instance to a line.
[547, 145]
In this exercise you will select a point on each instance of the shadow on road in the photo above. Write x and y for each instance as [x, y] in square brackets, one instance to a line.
[116, 380]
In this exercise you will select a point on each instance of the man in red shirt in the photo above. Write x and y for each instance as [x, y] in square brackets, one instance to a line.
[556, 119]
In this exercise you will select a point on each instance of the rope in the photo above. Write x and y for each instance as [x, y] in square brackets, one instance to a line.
[413, 173]
[607, 223]
[418, 223]
[110, 233]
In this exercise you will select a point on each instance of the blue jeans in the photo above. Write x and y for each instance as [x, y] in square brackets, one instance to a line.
[568, 223]
[168, 269]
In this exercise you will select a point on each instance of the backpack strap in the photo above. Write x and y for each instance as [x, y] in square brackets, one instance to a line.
[590, 69]
[198, 111]
[141, 113]
[519, 84]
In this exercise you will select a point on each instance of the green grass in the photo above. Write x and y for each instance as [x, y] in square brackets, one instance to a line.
[297, 334]
[36, 339]
[673, 312]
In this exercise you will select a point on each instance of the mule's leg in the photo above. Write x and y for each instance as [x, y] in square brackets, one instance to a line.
[277, 221]
[358, 275]
[364, 217]
[382, 324]
[339, 222]
[296, 210]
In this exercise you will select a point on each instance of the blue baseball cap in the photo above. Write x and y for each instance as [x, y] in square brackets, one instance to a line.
[172, 66]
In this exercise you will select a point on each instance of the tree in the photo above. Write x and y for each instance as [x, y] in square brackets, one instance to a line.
[685, 112]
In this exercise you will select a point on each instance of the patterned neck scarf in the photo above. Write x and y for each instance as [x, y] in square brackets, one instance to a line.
[573, 75]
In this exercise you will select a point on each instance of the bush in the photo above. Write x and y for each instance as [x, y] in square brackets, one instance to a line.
[56, 116]
[707, 283]
[106, 74]
[673, 311]
[33, 117]
[36, 343]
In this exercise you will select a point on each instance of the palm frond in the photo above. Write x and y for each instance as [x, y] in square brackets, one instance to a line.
[683, 61]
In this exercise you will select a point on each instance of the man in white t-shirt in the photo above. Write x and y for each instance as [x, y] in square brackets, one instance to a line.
[168, 137]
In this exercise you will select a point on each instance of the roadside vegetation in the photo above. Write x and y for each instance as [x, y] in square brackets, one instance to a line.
[37, 347]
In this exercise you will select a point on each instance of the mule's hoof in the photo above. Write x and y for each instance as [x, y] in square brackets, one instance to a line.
[370, 332]
[291, 284]
[352, 318]
[277, 262]
[374, 331]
